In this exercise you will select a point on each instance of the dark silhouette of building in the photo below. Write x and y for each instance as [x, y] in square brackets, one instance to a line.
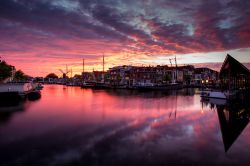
[234, 75]
[233, 120]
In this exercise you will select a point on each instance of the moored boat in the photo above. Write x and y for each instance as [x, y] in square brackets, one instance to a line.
[213, 94]
[20, 89]
[100, 85]
[87, 84]
[34, 95]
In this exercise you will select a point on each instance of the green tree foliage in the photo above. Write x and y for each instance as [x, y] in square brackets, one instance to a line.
[51, 75]
[167, 77]
[77, 76]
[5, 70]
[187, 77]
[20, 76]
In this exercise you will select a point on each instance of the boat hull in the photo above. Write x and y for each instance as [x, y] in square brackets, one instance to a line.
[215, 95]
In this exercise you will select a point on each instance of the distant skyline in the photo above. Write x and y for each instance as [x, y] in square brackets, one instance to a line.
[42, 36]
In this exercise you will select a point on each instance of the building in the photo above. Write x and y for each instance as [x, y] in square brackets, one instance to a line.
[205, 76]
[120, 76]
[128, 76]
[234, 75]
[185, 74]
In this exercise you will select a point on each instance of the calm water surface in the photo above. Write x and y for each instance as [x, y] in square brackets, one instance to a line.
[74, 126]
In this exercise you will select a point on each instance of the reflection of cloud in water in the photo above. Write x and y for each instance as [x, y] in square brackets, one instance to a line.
[96, 140]
[139, 137]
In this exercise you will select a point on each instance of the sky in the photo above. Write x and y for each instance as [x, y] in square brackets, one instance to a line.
[43, 36]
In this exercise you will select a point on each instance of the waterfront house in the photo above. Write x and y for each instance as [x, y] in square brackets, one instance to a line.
[163, 75]
[130, 76]
[120, 76]
[144, 76]
[205, 76]
[234, 75]
[88, 76]
[188, 72]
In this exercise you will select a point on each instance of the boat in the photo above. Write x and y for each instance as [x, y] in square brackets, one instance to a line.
[217, 101]
[100, 85]
[213, 94]
[39, 86]
[17, 88]
[15, 91]
[70, 84]
[87, 84]
[34, 95]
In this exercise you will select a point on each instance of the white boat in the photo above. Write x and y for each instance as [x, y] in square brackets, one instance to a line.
[217, 101]
[88, 84]
[214, 94]
[20, 88]
[13, 91]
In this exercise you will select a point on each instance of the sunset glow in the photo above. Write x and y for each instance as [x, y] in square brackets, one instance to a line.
[42, 36]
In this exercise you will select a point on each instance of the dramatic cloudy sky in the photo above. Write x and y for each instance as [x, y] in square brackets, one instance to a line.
[41, 36]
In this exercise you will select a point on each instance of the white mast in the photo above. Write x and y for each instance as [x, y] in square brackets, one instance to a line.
[82, 65]
[103, 68]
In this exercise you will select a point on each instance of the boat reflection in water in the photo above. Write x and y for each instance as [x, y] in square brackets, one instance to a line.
[10, 107]
[233, 116]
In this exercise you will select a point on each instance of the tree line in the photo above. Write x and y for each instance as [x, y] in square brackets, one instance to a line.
[6, 71]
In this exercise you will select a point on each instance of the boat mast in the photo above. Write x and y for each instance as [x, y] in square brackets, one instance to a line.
[175, 68]
[103, 63]
[103, 68]
[170, 60]
[82, 65]
[67, 70]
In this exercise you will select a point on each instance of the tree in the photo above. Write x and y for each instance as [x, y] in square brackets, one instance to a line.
[20, 76]
[187, 78]
[167, 77]
[5, 70]
[51, 75]
[77, 76]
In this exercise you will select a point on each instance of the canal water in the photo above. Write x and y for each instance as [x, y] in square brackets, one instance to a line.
[74, 126]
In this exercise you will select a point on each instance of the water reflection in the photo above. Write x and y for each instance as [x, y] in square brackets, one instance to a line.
[73, 126]
[148, 94]
[9, 107]
[233, 116]
[232, 124]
